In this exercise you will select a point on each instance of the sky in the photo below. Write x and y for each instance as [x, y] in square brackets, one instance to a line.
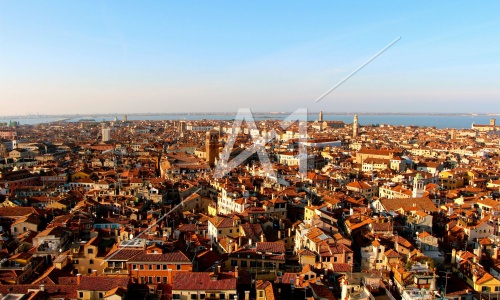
[84, 57]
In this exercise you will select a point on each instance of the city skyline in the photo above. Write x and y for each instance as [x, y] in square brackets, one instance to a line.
[103, 57]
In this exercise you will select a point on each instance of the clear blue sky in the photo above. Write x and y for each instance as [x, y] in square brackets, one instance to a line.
[152, 56]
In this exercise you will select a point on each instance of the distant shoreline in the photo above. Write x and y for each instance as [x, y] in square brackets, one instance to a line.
[72, 116]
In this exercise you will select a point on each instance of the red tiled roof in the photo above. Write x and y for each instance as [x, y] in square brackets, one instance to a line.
[192, 281]
[101, 283]
[158, 257]
[273, 247]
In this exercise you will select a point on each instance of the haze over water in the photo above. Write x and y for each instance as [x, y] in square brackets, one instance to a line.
[439, 121]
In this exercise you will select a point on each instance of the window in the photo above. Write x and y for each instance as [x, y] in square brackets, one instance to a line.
[164, 267]
[230, 231]
[234, 263]
[158, 279]
[75, 261]
[202, 296]
[165, 279]
[150, 267]
[222, 296]
[101, 295]
[141, 267]
[176, 296]
[220, 231]
[261, 294]
[335, 259]
[178, 267]
[194, 296]
[150, 279]
[244, 264]
[90, 251]
[80, 294]
[158, 267]
[134, 267]
[91, 261]
[89, 271]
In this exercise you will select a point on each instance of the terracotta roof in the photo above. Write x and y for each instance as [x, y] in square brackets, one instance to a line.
[17, 211]
[101, 283]
[273, 247]
[195, 281]
[409, 204]
[159, 257]
[123, 254]
[423, 235]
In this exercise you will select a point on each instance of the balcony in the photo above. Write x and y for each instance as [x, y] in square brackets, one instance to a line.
[115, 271]
[15, 266]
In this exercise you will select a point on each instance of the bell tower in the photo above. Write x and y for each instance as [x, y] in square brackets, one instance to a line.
[418, 186]
[355, 126]
[212, 146]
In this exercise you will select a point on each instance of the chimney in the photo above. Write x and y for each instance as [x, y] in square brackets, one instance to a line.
[169, 272]
[297, 281]
[239, 241]
[94, 272]
[218, 269]
[279, 234]
[42, 287]
[250, 242]
[78, 278]
[289, 231]
[236, 272]
[262, 238]
[247, 295]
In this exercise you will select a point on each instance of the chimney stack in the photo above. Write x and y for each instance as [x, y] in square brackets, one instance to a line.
[78, 278]
[236, 272]
[42, 287]
[247, 295]
[94, 272]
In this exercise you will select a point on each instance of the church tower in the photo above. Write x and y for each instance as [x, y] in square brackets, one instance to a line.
[418, 186]
[320, 117]
[355, 126]
[212, 146]
[492, 122]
